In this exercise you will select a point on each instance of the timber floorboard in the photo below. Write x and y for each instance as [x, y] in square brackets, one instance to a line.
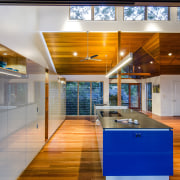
[72, 153]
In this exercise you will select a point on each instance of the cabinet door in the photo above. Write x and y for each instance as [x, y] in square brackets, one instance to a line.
[135, 153]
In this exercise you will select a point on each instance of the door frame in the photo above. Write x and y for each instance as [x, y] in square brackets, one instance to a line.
[139, 99]
[146, 95]
[174, 98]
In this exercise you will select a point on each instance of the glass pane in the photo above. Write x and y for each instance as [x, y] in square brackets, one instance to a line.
[113, 94]
[104, 13]
[84, 98]
[125, 94]
[134, 13]
[134, 96]
[157, 13]
[80, 12]
[178, 13]
[149, 96]
[125, 70]
[17, 93]
[114, 76]
[97, 94]
[149, 90]
[71, 98]
[150, 105]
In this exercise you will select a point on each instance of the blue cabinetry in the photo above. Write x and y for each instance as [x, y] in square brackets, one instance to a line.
[137, 152]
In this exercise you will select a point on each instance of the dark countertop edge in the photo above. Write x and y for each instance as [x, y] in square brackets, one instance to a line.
[138, 129]
[101, 119]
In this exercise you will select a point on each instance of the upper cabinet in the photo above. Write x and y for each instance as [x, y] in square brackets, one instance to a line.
[12, 61]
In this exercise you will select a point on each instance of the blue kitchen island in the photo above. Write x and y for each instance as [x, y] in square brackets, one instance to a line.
[133, 146]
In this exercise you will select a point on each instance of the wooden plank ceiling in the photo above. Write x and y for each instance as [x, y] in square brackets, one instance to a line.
[146, 48]
[62, 46]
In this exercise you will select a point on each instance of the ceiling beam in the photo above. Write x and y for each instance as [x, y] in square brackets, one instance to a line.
[85, 2]
[137, 74]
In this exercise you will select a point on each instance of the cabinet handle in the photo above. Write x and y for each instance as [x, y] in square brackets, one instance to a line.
[138, 134]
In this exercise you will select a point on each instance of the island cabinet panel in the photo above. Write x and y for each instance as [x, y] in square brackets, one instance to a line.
[137, 152]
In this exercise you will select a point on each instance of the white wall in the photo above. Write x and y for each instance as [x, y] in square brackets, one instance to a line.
[19, 31]
[89, 78]
[126, 80]
[57, 104]
[56, 18]
[167, 94]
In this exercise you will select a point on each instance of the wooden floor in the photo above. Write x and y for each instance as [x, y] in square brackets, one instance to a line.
[72, 153]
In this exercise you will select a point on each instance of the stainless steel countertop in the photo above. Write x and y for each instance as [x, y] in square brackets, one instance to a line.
[144, 121]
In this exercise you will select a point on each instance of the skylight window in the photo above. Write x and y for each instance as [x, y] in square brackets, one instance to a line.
[104, 13]
[178, 13]
[157, 13]
[134, 13]
[80, 12]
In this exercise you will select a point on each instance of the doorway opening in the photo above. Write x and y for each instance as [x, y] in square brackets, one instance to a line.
[149, 97]
[130, 95]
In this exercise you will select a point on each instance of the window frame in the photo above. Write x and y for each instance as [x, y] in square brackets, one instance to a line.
[115, 19]
[178, 17]
[79, 19]
[136, 20]
[92, 16]
[158, 20]
[90, 96]
[146, 15]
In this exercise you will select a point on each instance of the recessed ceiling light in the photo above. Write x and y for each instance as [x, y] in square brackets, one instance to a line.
[121, 53]
[151, 62]
[75, 53]
[139, 67]
[169, 54]
[5, 54]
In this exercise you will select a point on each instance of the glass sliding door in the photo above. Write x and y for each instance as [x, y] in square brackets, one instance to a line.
[149, 97]
[125, 94]
[113, 94]
[71, 98]
[134, 96]
[131, 95]
[97, 94]
[84, 98]
[81, 97]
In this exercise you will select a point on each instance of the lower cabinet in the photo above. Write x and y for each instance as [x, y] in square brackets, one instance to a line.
[131, 152]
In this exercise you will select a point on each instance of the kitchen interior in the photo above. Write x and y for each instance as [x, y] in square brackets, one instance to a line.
[113, 83]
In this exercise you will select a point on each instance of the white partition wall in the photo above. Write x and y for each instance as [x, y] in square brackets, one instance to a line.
[22, 117]
[57, 91]
[21, 121]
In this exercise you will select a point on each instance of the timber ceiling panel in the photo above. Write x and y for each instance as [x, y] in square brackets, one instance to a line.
[62, 46]
[131, 42]
[169, 43]
[146, 47]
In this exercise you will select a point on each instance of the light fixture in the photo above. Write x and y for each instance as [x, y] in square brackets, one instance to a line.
[139, 67]
[124, 61]
[170, 54]
[75, 53]
[5, 54]
[122, 53]
[151, 62]
[10, 74]
[61, 80]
